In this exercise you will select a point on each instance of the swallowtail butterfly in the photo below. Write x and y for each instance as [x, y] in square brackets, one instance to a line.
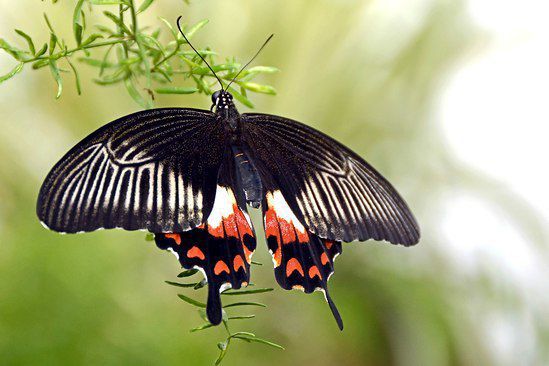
[187, 175]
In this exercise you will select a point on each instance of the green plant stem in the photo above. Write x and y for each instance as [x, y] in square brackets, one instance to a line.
[66, 53]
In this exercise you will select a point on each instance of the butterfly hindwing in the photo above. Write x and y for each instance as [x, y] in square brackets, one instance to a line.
[154, 170]
[332, 190]
[301, 259]
[221, 247]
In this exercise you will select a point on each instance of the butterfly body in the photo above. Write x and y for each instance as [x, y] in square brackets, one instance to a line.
[187, 175]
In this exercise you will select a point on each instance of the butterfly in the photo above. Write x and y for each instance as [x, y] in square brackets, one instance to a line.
[188, 175]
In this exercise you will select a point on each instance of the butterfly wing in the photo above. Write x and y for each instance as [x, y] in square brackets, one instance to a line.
[302, 260]
[222, 246]
[332, 191]
[155, 170]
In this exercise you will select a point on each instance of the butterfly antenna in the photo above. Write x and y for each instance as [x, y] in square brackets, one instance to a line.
[198, 53]
[253, 58]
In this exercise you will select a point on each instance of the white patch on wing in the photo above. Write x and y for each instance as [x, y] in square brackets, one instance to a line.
[282, 210]
[225, 286]
[174, 253]
[223, 206]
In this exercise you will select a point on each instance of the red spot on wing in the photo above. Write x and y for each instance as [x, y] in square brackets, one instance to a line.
[287, 230]
[313, 271]
[293, 265]
[271, 224]
[216, 231]
[195, 252]
[303, 237]
[324, 259]
[328, 244]
[238, 263]
[241, 222]
[284, 231]
[230, 226]
[175, 237]
[221, 266]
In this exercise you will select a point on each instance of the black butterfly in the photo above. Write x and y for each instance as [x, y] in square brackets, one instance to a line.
[186, 175]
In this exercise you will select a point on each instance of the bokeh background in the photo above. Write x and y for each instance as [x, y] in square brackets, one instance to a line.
[447, 98]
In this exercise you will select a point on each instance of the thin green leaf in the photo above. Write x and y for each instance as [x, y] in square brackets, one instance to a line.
[192, 301]
[28, 39]
[241, 317]
[92, 38]
[17, 69]
[53, 43]
[57, 77]
[202, 327]
[76, 76]
[259, 340]
[195, 28]
[263, 69]
[76, 23]
[200, 284]
[42, 50]
[247, 292]
[245, 303]
[242, 99]
[40, 63]
[188, 273]
[118, 22]
[176, 90]
[134, 94]
[144, 6]
[258, 88]
[177, 284]
[13, 51]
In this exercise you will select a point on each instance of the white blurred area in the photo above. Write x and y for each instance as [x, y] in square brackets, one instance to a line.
[494, 111]
[495, 115]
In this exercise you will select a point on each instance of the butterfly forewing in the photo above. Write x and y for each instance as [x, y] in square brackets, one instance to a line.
[333, 191]
[154, 170]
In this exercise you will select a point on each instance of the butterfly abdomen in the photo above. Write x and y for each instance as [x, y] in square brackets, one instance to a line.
[248, 177]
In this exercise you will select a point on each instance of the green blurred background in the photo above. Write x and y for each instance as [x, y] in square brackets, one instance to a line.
[370, 74]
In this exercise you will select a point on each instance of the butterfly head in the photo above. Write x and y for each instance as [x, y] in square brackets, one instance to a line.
[222, 99]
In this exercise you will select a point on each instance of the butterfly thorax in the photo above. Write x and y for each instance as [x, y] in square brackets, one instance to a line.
[226, 112]
[248, 177]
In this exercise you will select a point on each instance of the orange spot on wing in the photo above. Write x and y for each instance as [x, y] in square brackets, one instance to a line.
[293, 265]
[175, 237]
[195, 252]
[238, 263]
[313, 271]
[244, 284]
[328, 244]
[298, 287]
[324, 258]
[221, 266]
